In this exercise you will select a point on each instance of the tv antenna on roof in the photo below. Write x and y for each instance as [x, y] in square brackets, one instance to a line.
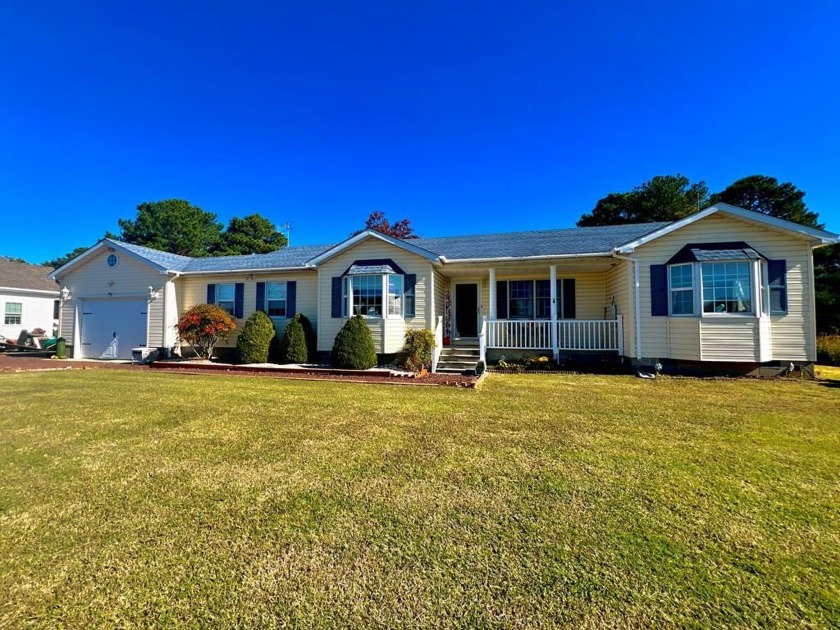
[287, 226]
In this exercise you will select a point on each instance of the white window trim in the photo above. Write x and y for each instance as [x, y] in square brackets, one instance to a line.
[6, 314]
[754, 291]
[694, 268]
[285, 299]
[218, 300]
[347, 297]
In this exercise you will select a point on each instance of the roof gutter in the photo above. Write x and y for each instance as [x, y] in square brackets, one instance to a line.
[637, 281]
[445, 260]
[21, 289]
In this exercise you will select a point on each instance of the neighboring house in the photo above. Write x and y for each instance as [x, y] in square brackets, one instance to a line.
[724, 287]
[28, 298]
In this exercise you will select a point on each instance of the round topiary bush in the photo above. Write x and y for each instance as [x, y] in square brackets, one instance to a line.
[309, 334]
[293, 346]
[353, 348]
[255, 338]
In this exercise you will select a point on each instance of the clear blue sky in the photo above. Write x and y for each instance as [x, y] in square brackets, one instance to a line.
[464, 117]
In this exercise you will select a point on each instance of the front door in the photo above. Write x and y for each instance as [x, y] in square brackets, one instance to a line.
[466, 310]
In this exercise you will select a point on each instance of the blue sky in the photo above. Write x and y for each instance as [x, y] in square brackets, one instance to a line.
[464, 117]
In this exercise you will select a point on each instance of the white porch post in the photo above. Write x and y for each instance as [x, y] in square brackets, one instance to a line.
[553, 293]
[492, 293]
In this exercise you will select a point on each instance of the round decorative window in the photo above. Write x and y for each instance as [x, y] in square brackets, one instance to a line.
[113, 260]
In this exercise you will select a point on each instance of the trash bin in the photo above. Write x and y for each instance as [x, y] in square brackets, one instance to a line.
[61, 347]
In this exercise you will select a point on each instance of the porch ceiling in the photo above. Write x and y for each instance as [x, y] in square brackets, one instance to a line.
[565, 267]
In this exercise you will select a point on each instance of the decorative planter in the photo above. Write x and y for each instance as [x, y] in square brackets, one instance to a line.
[446, 341]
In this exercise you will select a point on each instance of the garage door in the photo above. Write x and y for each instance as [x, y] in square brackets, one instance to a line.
[112, 327]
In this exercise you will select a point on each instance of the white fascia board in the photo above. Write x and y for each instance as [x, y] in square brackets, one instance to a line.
[350, 242]
[22, 290]
[105, 242]
[524, 258]
[820, 236]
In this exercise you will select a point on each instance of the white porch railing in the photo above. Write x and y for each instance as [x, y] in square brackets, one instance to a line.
[438, 343]
[570, 334]
[482, 340]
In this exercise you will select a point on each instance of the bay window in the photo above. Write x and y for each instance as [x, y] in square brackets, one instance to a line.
[373, 295]
[682, 289]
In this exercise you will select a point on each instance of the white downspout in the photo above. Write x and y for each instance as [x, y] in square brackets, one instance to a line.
[637, 277]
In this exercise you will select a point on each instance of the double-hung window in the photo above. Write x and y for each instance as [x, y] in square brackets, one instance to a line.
[395, 295]
[13, 314]
[275, 299]
[682, 289]
[521, 299]
[225, 297]
[367, 295]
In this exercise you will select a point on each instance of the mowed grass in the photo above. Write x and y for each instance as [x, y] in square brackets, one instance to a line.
[140, 499]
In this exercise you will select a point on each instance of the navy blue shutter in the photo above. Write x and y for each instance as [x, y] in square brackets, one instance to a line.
[776, 270]
[336, 296]
[569, 298]
[502, 299]
[291, 299]
[260, 305]
[410, 281]
[239, 300]
[211, 293]
[659, 290]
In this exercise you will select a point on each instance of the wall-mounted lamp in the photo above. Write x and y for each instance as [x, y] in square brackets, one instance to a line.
[152, 293]
[64, 293]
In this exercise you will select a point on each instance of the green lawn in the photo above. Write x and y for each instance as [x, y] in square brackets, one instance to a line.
[134, 499]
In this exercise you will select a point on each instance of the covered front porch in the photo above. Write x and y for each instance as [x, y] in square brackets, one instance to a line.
[563, 307]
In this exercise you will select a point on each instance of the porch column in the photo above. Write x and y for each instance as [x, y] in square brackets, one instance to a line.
[553, 290]
[492, 293]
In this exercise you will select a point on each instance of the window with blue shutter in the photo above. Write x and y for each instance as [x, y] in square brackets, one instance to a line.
[239, 300]
[569, 305]
[291, 299]
[659, 290]
[410, 299]
[336, 302]
[260, 305]
[777, 281]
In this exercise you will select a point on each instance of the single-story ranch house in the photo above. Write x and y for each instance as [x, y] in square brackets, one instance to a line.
[28, 298]
[724, 287]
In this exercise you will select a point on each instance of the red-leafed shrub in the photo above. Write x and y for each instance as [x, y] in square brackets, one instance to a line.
[203, 326]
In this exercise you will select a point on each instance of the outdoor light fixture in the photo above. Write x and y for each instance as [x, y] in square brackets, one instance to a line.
[65, 293]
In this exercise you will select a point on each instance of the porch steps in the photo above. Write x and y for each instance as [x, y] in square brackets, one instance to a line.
[458, 359]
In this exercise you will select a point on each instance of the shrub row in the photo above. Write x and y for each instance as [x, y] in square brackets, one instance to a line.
[828, 349]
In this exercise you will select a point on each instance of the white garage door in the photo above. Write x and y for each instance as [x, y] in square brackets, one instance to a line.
[112, 327]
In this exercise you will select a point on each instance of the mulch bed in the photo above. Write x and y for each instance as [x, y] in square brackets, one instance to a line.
[33, 364]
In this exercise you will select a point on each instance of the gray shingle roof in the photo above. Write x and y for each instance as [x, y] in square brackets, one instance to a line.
[536, 243]
[592, 240]
[294, 256]
[20, 275]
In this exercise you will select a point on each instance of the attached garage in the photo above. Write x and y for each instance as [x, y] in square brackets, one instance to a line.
[111, 327]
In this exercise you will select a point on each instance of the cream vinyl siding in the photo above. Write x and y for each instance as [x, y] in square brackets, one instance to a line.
[683, 338]
[723, 339]
[793, 335]
[93, 278]
[194, 291]
[439, 301]
[387, 333]
[618, 283]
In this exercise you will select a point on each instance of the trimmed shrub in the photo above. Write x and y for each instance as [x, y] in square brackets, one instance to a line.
[353, 348]
[309, 335]
[828, 349]
[416, 352]
[255, 338]
[293, 345]
[203, 326]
